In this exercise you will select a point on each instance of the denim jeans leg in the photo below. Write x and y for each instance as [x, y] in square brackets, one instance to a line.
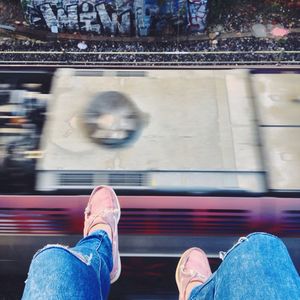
[258, 267]
[82, 272]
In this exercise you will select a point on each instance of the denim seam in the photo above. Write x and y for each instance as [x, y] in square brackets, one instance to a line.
[100, 237]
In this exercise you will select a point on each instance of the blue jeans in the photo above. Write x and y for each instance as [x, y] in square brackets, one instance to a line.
[257, 267]
[81, 273]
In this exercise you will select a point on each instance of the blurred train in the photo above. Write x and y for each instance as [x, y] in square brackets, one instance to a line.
[198, 157]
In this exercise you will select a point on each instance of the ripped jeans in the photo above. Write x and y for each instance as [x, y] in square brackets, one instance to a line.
[257, 267]
[60, 273]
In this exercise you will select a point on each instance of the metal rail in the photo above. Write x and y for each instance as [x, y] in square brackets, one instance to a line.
[149, 58]
[152, 52]
[28, 68]
[149, 63]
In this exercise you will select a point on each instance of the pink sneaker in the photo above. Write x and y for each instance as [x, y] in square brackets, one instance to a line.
[104, 208]
[193, 266]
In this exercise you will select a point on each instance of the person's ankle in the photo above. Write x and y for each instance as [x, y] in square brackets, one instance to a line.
[104, 227]
[191, 286]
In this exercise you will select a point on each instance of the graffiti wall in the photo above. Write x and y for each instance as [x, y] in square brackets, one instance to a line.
[196, 15]
[112, 17]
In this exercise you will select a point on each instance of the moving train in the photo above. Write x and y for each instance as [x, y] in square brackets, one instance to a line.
[198, 157]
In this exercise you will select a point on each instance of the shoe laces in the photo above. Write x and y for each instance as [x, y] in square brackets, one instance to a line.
[102, 213]
[193, 274]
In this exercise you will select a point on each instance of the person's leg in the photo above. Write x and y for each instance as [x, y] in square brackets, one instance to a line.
[85, 271]
[82, 272]
[257, 267]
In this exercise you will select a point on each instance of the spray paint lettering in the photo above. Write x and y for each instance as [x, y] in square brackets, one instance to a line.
[130, 17]
[197, 14]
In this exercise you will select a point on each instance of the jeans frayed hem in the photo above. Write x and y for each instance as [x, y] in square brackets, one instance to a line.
[223, 254]
[86, 259]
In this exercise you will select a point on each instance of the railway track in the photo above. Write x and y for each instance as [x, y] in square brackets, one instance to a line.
[119, 58]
